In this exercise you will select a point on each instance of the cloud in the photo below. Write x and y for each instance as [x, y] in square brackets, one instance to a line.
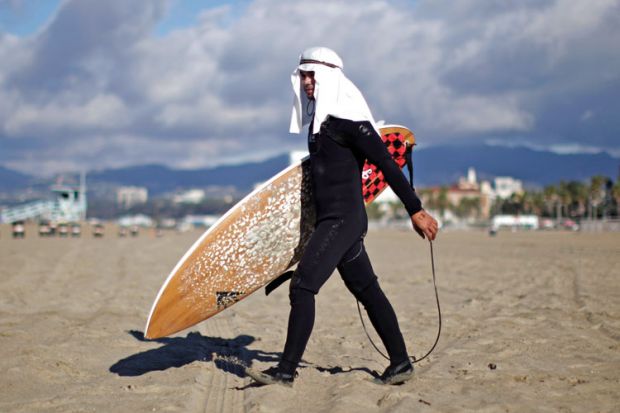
[97, 86]
[101, 113]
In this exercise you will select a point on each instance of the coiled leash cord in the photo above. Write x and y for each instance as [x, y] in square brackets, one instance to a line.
[413, 359]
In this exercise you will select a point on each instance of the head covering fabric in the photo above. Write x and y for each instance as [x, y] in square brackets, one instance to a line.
[334, 93]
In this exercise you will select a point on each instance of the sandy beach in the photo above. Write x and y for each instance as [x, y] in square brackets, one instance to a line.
[531, 324]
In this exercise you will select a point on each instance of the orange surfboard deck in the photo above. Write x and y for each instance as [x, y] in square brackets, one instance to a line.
[258, 239]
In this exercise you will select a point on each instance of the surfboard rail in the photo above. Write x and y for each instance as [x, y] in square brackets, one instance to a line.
[208, 231]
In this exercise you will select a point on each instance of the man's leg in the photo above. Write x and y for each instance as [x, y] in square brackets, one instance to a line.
[329, 241]
[360, 279]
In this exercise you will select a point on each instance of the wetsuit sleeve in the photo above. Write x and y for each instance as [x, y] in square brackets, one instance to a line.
[363, 137]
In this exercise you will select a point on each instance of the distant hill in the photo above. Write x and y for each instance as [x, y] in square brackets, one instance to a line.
[158, 178]
[444, 164]
[437, 165]
[11, 180]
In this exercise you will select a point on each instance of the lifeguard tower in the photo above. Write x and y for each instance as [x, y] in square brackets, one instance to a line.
[67, 204]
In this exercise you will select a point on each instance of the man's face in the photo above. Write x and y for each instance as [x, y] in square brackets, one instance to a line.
[307, 83]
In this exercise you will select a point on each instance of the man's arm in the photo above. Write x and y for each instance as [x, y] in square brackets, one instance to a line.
[363, 137]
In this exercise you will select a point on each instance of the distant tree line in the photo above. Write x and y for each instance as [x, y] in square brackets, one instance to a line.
[596, 199]
[466, 207]
[158, 208]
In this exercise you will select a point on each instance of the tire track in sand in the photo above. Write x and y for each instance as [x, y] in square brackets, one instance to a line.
[215, 388]
[582, 305]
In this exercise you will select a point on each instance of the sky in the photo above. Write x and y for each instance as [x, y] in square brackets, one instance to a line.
[86, 84]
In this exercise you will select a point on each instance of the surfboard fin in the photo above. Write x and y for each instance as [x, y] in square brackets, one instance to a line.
[281, 279]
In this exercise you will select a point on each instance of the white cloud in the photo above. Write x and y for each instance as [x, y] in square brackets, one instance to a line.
[103, 112]
[220, 90]
[567, 148]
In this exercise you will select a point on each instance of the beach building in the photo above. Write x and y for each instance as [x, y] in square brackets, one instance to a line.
[128, 196]
[67, 204]
[515, 222]
[469, 182]
[191, 196]
[468, 197]
[138, 220]
[198, 221]
[506, 186]
[477, 197]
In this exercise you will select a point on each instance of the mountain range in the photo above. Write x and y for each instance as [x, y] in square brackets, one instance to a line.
[445, 164]
[438, 165]
[12, 180]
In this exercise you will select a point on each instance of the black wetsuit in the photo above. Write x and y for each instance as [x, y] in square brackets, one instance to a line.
[337, 155]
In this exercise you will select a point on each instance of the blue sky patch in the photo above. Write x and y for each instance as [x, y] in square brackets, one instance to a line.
[23, 18]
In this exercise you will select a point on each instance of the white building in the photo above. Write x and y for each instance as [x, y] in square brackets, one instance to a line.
[505, 186]
[128, 196]
[200, 220]
[139, 220]
[470, 181]
[192, 196]
[515, 222]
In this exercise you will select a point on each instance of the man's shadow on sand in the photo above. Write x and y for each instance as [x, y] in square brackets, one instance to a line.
[229, 355]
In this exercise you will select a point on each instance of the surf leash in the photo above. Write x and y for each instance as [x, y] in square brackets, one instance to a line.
[413, 358]
[409, 163]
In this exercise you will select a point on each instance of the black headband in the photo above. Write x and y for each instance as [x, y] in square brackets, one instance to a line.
[304, 61]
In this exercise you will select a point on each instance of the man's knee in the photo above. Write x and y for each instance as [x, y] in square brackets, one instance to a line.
[364, 292]
[298, 295]
[353, 253]
[300, 281]
[298, 292]
[357, 274]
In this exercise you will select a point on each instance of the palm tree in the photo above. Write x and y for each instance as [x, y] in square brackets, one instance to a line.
[564, 197]
[374, 211]
[428, 198]
[550, 194]
[615, 193]
[596, 193]
[516, 203]
[468, 207]
[578, 197]
[536, 202]
[443, 203]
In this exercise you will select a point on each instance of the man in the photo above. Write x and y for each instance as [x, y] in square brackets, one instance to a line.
[342, 135]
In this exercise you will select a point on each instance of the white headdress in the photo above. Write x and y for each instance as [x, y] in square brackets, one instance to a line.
[334, 93]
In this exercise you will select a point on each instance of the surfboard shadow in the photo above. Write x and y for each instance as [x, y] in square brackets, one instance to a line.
[228, 354]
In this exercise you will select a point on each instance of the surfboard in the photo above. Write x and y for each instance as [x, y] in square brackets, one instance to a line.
[258, 239]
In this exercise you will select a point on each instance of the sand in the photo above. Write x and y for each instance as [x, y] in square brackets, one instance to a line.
[542, 308]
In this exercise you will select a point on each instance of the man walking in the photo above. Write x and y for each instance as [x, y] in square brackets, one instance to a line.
[342, 135]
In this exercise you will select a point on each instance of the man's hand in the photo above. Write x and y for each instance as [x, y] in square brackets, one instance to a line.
[424, 224]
